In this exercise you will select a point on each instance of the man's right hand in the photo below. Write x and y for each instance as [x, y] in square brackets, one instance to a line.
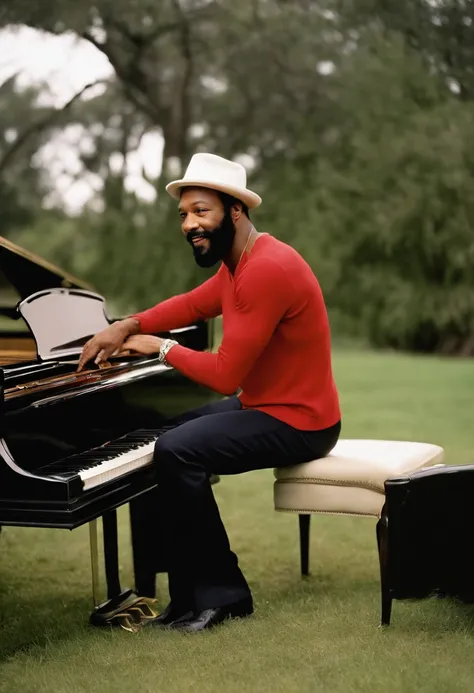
[107, 342]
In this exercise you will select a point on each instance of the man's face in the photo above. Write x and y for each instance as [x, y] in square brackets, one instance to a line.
[206, 224]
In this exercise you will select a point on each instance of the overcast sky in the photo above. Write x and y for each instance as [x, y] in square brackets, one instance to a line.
[66, 64]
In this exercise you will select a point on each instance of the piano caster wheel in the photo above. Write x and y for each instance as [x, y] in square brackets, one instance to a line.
[125, 611]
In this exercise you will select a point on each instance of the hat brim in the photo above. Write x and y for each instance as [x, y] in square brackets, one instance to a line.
[249, 198]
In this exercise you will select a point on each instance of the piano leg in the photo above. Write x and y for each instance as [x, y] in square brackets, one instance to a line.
[109, 524]
[94, 561]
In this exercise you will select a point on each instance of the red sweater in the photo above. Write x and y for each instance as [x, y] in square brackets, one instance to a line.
[276, 342]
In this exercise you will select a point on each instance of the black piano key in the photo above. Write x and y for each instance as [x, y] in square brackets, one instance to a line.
[119, 447]
[71, 467]
[83, 462]
[94, 457]
[76, 463]
[142, 435]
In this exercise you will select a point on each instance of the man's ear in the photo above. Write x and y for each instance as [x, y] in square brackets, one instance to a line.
[236, 212]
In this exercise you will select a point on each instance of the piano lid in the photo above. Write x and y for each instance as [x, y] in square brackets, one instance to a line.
[23, 273]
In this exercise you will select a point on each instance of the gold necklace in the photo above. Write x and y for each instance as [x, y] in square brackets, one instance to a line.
[246, 244]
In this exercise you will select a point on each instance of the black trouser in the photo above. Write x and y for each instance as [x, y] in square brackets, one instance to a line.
[220, 438]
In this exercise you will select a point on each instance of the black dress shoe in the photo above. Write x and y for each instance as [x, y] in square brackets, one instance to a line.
[212, 617]
[169, 615]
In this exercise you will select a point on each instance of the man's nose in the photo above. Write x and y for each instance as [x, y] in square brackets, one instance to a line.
[191, 223]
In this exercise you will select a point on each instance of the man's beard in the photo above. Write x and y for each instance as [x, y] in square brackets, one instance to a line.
[220, 242]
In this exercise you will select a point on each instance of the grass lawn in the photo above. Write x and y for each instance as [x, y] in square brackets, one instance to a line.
[318, 634]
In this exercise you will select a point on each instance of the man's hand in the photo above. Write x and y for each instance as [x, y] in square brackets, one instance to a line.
[145, 344]
[107, 342]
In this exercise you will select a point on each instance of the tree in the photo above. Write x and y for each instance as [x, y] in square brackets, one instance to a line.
[21, 189]
[229, 68]
[355, 115]
[398, 208]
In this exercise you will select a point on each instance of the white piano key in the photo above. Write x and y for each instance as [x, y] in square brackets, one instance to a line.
[118, 466]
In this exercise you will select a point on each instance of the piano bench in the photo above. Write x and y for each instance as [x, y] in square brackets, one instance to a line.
[351, 480]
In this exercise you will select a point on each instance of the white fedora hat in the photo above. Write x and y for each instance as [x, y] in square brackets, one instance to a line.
[211, 171]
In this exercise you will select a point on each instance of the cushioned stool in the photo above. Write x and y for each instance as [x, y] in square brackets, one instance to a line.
[349, 481]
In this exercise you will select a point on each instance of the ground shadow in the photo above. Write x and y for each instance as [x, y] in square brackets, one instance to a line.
[33, 623]
[433, 614]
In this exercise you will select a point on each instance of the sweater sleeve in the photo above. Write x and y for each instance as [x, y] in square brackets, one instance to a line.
[202, 303]
[262, 298]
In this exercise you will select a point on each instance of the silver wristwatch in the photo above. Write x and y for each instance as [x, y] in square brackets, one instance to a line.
[165, 347]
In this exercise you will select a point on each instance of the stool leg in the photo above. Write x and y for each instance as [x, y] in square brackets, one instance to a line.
[382, 542]
[304, 522]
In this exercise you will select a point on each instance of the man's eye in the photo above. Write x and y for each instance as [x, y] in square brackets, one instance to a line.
[182, 215]
[201, 209]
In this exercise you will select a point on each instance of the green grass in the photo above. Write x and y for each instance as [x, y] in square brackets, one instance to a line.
[318, 634]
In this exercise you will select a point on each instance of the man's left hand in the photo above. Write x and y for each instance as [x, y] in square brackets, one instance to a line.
[145, 344]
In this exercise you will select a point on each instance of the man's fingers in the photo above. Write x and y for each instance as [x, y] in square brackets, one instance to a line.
[82, 360]
[97, 352]
[104, 354]
[88, 353]
[101, 356]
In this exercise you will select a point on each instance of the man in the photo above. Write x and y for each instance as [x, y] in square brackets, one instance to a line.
[275, 350]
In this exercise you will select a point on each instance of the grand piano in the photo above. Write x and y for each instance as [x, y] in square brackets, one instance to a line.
[76, 446]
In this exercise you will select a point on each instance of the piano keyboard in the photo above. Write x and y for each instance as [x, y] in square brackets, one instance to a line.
[109, 461]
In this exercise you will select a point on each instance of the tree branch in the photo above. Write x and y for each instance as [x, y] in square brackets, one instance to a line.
[128, 51]
[137, 96]
[41, 125]
[143, 39]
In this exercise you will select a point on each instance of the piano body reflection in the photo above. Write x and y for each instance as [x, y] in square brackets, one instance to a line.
[75, 446]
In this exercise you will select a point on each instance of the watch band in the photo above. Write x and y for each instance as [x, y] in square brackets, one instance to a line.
[166, 345]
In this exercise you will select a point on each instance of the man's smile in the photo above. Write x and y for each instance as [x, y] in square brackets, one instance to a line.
[198, 240]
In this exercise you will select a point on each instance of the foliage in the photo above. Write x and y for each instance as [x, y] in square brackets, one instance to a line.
[20, 185]
[355, 115]
[400, 207]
